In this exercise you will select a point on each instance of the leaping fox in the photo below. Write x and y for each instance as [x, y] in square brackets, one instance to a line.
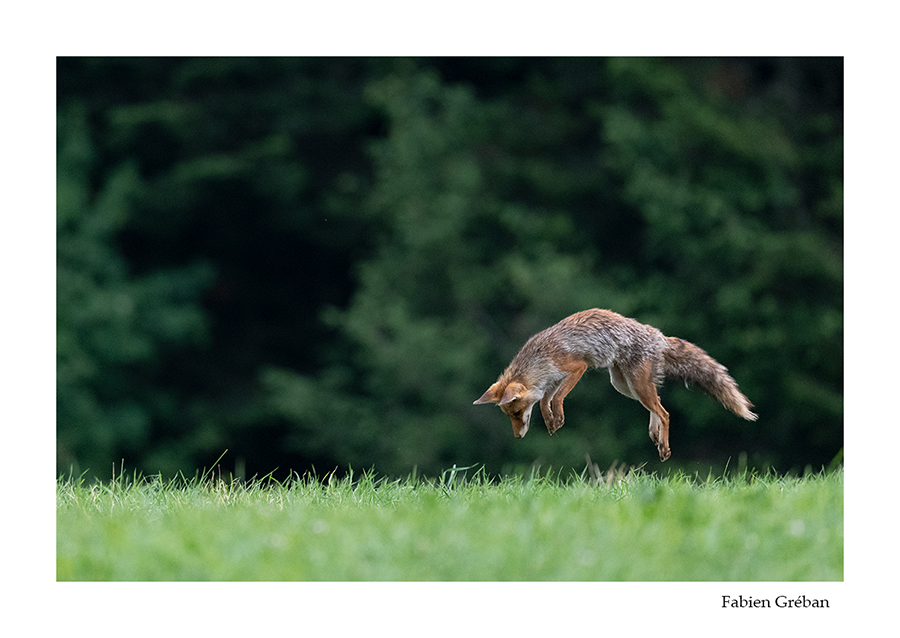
[638, 357]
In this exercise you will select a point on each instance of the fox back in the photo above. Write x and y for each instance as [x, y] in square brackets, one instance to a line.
[598, 337]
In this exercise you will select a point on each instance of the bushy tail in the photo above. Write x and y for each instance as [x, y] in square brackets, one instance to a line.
[690, 363]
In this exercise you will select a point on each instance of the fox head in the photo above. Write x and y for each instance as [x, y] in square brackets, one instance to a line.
[516, 400]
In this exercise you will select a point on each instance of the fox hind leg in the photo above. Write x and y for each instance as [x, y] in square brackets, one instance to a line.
[643, 389]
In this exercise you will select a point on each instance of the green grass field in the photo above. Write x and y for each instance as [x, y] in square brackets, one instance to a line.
[617, 527]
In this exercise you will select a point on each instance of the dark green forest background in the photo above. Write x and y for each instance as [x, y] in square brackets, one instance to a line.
[320, 263]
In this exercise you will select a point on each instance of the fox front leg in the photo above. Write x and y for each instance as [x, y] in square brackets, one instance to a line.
[547, 413]
[575, 369]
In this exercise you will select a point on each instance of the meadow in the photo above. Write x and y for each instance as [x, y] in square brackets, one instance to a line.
[461, 526]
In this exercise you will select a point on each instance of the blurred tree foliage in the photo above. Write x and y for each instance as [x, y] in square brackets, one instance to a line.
[112, 326]
[323, 262]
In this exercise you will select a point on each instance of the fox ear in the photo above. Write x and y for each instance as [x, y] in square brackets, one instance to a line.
[492, 395]
[514, 391]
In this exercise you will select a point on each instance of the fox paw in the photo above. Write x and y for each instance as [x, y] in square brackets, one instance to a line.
[664, 452]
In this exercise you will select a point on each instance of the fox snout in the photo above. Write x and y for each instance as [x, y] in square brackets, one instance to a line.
[519, 414]
[520, 426]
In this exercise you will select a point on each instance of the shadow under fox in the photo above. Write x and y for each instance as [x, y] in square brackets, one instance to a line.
[638, 357]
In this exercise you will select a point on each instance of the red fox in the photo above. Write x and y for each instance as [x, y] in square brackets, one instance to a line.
[638, 357]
